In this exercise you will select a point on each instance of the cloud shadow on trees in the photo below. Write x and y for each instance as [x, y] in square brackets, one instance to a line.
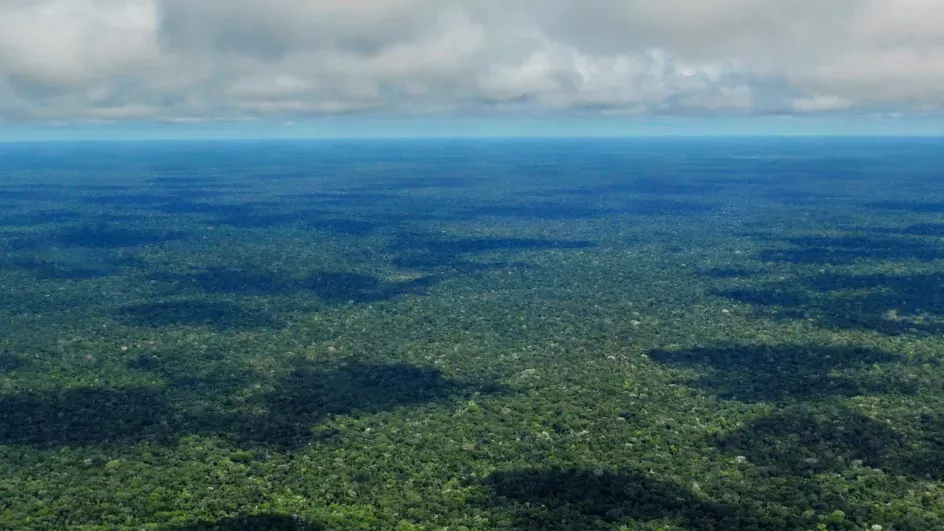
[341, 288]
[799, 446]
[271, 215]
[32, 218]
[223, 280]
[311, 391]
[802, 197]
[52, 270]
[96, 235]
[543, 210]
[397, 184]
[664, 207]
[572, 500]
[727, 272]
[256, 522]
[917, 229]
[331, 288]
[914, 207]
[888, 304]
[133, 200]
[341, 198]
[787, 373]
[662, 185]
[84, 265]
[31, 194]
[10, 361]
[789, 301]
[286, 417]
[432, 253]
[803, 440]
[848, 249]
[440, 258]
[250, 217]
[183, 183]
[219, 315]
[82, 416]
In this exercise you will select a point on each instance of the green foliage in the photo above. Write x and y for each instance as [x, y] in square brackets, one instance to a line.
[200, 352]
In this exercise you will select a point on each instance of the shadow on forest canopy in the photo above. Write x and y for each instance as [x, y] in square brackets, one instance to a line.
[727, 272]
[96, 236]
[73, 264]
[285, 417]
[889, 304]
[787, 373]
[32, 218]
[399, 183]
[918, 229]
[847, 249]
[220, 315]
[10, 361]
[332, 288]
[907, 206]
[807, 439]
[267, 215]
[575, 500]
[543, 210]
[38, 192]
[432, 253]
[258, 522]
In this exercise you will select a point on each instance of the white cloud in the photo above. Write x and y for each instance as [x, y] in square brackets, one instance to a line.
[186, 60]
[820, 103]
[70, 42]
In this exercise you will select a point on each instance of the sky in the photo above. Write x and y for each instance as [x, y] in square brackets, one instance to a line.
[350, 68]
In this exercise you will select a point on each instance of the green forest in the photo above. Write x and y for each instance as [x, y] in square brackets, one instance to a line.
[509, 341]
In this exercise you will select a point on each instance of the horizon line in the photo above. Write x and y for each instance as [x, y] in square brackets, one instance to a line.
[664, 136]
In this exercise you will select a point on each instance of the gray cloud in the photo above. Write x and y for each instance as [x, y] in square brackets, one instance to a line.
[186, 60]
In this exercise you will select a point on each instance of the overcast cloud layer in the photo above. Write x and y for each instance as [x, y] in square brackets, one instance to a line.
[190, 60]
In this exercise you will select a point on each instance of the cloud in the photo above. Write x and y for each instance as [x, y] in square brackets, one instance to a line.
[185, 60]
[820, 103]
[69, 43]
